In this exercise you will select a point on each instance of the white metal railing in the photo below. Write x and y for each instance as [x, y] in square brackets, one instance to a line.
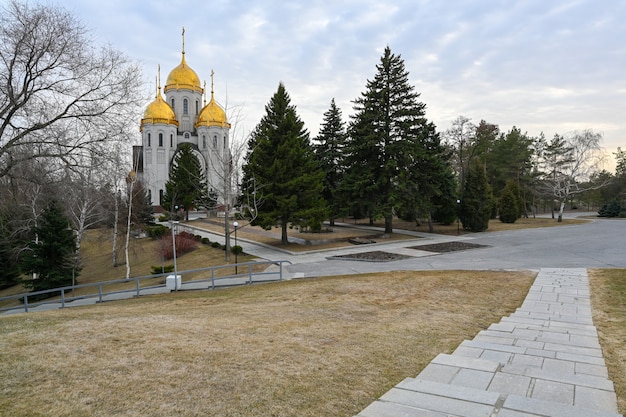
[245, 275]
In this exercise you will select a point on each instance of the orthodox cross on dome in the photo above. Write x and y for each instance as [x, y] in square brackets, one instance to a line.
[159, 77]
[183, 40]
[204, 91]
[212, 76]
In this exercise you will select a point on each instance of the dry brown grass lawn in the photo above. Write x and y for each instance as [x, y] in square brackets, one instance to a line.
[608, 297]
[312, 347]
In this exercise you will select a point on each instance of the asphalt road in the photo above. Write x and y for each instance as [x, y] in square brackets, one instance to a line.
[597, 244]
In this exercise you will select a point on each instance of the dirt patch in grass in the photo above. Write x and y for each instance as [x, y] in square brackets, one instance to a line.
[448, 247]
[608, 298]
[374, 256]
[310, 347]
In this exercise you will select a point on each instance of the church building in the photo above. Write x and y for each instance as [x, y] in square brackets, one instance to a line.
[183, 116]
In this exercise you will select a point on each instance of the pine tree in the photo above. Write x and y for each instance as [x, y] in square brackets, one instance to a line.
[477, 200]
[281, 170]
[187, 184]
[329, 154]
[385, 139]
[51, 253]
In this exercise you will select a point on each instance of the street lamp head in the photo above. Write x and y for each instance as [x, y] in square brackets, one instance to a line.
[236, 224]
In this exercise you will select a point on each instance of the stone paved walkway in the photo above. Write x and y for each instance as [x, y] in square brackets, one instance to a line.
[543, 360]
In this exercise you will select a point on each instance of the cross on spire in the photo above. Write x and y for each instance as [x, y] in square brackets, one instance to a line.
[183, 40]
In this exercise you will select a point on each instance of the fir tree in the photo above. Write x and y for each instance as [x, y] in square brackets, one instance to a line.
[477, 200]
[10, 272]
[187, 184]
[509, 210]
[281, 170]
[329, 154]
[51, 253]
[386, 138]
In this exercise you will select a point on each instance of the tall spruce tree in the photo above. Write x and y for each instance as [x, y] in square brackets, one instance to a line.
[426, 187]
[329, 153]
[281, 170]
[51, 253]
[187, 185]
[477, 199]
[386, 138]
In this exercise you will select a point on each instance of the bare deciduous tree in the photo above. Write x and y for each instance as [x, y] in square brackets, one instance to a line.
[54, 83]
[568, 163]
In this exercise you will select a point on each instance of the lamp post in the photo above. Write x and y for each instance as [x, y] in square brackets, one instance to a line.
[458, 217]
[172, 223]
[235, 225]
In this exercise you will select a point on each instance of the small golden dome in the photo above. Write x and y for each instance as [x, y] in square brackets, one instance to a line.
[212, 115]
[183, 77]
[159, 112]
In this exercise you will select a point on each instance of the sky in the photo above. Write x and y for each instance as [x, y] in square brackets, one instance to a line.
[551, 66]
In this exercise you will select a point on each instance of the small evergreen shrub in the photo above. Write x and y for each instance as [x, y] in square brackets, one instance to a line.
[157, 232]
[610, 209]
[161, 269]
[205, 241]
[237, 250]
[216, 245]
[509, 204]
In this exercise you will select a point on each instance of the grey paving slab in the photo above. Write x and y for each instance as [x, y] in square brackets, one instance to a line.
[510, 384]
[492, 355]
[560, 366]
[595, 399]
[465, 362]
[437, 403]
[590, 381]
[446, 390]
[588, 369]
[544, 360]
[438, 373]
[468, 351]
[493, 346]
[472, 378]
[575, 357]
[553, 391]
[387, 409]
[527, 360]
[535, 407]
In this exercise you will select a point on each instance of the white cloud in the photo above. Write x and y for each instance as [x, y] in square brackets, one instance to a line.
[542, 66]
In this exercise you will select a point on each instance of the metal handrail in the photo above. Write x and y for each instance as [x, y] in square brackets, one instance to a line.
[235, 279]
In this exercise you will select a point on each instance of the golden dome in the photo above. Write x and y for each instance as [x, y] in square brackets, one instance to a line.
[183, 77]
[212, 115]
[159, 112]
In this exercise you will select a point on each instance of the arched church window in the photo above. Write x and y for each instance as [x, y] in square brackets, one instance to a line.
[185, 106]
[173, 108]
[160, 139]
[149, 139]
[215, 141]
[160, 197]
[204, 141]
[186, 135]
[171, 140]
[197, 107]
